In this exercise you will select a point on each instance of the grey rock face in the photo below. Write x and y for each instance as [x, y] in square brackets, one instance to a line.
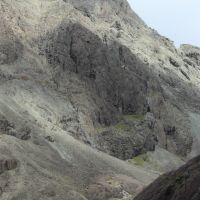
[112, 74]
[101, 66]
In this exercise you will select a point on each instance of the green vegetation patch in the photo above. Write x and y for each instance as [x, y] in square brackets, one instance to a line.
[103, 129]
[144, 161]
[122, 126]
[139, 117]
[139, 160]
[114, 199]
[53, 197]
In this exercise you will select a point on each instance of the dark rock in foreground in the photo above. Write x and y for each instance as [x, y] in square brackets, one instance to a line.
[183, 184]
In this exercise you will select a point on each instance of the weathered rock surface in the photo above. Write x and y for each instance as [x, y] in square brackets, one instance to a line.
[183, 184]
[81, 79]
[7, 164]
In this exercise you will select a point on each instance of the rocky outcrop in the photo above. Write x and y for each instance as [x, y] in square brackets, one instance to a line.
[9, 128]
[118, 84]
[183, 184]
[7, 164]
[191, 53]
[112, 70]
[128, 138]
[10, 47]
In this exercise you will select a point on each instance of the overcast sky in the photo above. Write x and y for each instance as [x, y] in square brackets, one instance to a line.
[177, 19]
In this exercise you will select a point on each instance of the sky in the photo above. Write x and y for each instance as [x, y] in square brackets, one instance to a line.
[178, 20]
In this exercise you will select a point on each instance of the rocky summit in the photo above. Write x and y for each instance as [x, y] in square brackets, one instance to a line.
[94, 104]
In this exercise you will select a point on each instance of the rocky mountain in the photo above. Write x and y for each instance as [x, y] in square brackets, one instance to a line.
[183, 184]
[94, 104]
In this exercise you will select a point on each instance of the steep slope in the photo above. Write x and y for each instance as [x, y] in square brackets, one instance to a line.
[183, 184]
[79, 78]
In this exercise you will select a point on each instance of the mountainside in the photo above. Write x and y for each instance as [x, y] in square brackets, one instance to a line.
[94, 104]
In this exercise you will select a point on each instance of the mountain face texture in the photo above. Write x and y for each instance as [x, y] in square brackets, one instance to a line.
[183, 184]
[94, 104]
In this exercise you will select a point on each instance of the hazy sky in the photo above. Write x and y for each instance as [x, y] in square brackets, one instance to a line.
[177, 19]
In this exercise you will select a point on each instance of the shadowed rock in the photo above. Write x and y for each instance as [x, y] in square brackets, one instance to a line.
[7, 164]
[182, 184]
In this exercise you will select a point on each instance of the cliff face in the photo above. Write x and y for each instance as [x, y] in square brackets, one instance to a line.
[83, 83]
